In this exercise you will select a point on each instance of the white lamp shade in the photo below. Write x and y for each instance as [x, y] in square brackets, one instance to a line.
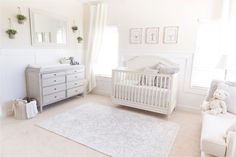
[223, 62]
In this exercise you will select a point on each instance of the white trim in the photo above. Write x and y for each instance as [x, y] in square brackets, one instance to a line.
[101, 92]
[188, 109]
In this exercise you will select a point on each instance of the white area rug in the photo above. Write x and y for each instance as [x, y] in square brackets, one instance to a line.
[114, 131]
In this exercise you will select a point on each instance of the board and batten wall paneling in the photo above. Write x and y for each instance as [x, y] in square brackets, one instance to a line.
[16, 54]
[126, 14]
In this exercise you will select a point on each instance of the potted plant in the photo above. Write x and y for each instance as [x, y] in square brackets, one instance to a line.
[21, 18]
[11, 33]
[74, 28]
[79, 39]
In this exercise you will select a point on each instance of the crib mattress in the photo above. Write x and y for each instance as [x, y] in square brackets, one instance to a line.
[150, 95]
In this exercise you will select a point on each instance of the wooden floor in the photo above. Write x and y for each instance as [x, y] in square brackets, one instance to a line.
[24, 139]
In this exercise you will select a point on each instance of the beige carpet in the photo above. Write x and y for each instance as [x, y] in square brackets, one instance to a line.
[25, 139]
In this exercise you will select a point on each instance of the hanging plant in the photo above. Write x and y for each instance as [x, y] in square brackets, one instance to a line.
[20, 17]
[11, 32]
[74, 28]
[79, 39]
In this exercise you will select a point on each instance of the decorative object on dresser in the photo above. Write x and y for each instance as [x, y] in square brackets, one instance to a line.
[54, 83]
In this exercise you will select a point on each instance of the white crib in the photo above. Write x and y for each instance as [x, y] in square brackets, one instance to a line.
[151, 92]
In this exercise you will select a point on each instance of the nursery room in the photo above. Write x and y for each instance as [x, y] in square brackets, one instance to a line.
[117, 78]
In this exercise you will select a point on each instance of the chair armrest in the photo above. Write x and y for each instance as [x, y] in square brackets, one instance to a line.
[231, 144]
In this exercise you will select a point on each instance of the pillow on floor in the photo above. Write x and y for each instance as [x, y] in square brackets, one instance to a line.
[231, 99]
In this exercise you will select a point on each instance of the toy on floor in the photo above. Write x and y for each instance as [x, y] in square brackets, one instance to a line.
[217, 104]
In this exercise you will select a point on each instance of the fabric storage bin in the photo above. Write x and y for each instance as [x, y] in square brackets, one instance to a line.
[24, 110]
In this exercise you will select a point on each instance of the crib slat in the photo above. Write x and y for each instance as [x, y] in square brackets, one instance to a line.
[164, 92]
[136, 89]
[160, 92]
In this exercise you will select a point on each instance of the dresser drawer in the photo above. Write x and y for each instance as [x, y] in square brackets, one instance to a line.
[74, 77]
[54, 89]
[54, 97]
[74, 71]
[75, 91]
[75, 84]
[53, 81]
[45, 76]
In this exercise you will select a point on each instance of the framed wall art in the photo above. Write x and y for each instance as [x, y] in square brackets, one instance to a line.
[152, 35]
[170, 35]
[135, 36]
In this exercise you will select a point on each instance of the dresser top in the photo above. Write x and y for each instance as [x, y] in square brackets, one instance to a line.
[52, 68]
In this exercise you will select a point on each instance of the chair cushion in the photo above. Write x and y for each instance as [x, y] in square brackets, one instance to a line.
[231, 99]
[212, 89]
[213, 134]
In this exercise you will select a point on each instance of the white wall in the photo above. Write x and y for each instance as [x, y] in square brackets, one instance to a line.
[128, 14]
[16, 54]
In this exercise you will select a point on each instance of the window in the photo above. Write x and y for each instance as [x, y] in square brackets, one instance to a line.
[108, 56]
[207, 55]
[213, 59]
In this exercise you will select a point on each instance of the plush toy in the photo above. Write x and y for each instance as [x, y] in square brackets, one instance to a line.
[216, 105]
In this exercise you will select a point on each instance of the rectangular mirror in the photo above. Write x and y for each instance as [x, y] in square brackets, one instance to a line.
[47, 29]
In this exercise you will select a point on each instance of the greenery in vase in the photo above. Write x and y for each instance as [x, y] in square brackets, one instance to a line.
[21, 18]
[74, 28]
[79, 39]
[11, 32]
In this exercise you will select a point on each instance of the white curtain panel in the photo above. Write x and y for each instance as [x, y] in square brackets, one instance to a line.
[97, 22]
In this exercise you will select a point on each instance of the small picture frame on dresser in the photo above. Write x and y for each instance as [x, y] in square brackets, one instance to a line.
[135, 35]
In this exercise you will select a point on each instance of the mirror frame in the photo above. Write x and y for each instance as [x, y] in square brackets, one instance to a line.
[32, 28]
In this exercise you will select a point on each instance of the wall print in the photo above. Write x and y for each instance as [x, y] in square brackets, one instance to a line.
[152, 35]
[170, 35]
[136, 35]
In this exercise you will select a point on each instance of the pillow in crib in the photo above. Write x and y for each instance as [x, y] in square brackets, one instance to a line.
[147, 78]
[231, 99]
[166, 69]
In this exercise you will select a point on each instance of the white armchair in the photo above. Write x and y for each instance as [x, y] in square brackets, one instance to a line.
[215, 141]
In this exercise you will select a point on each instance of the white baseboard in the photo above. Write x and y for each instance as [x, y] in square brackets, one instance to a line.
[101, 92]
[188, 108]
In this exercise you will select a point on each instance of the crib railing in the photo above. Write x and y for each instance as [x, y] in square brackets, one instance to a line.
[154, 92]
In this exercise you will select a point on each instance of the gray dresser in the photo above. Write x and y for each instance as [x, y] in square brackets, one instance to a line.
[54, 83]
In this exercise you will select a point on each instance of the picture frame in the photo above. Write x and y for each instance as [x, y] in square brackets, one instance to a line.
[152, 35]
[136, 35]
[170, 35]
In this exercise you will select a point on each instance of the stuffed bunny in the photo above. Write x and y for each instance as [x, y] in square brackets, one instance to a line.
[216, 105]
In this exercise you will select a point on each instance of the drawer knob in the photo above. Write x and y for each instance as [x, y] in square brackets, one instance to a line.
[55, 80]
[55, 96]
[55, 74]
[55, 88]
[75, 83]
